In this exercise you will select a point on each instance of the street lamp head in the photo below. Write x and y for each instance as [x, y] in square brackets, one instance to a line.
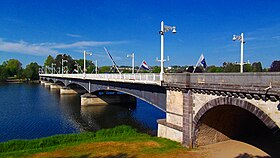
[173, 29]
[234, 38]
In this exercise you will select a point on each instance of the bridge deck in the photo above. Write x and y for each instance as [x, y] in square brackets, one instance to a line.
[142, 78]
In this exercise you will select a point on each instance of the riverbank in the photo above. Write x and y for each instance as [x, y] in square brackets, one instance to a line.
[122, 141]
[118, 142]
[20, 81]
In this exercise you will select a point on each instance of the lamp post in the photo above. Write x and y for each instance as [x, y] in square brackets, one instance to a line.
[62, 61]
[52, 67]
[132, 58]
[96, 67]
[241, 39]
[163, 29]
[85, 69]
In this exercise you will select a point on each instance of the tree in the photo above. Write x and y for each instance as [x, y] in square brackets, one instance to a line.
[156, 69]
[275, 66]
[3, 73]
[49, 61]
[69, 64]
[247, 67]
[190, 69]
[104, 69]
[231, 67]
[213, 68]
[14, 67]
[89, 65]
[257, 67]
[32, 71]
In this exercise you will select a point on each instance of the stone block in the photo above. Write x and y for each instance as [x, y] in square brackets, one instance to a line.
[174, 119]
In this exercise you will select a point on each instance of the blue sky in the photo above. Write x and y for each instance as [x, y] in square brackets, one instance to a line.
[30, 30]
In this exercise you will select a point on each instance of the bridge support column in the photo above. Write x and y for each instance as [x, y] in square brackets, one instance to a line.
[55, 86]
[42, 82]
[178, 123]
[90, 99]
[66, 91]
[47, 84]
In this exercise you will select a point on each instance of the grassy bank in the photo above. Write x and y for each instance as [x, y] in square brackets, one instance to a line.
[119, 141]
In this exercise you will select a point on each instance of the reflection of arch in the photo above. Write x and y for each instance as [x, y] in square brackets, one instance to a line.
[239, 103]
[136, 96]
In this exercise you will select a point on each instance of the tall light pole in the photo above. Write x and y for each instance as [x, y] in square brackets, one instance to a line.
[132, 57]
[85, 69]
[62, 61]
[241, 39]
[96, 67]
[163, 29]
[52, 67]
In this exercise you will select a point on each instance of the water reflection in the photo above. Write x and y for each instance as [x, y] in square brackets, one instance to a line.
[93, 118]
[32, 111]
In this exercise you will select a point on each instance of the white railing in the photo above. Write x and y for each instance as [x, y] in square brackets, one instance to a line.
[147, 78]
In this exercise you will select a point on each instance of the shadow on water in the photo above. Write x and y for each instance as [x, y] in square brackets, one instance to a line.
[93, 118]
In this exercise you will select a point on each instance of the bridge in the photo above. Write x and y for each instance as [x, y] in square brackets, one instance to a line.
[201, 108]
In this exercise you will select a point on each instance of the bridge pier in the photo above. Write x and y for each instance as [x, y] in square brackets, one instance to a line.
[42, 82]
[47, 84]
[178, 123]
[67, 91]
[55, 86]
[90, 99]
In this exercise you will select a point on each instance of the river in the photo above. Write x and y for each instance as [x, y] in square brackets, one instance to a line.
[31, 111]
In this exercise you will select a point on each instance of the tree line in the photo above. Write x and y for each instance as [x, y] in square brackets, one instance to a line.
[12, 69]
[228, 67]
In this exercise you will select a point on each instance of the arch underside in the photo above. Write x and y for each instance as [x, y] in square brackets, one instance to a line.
[152, 94]
[231, 118]
[237, 103]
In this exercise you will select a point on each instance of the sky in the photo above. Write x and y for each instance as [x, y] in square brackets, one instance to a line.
[30, 30]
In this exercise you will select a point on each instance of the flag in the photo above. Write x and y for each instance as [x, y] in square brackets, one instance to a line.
[202, 61]
[144, 65]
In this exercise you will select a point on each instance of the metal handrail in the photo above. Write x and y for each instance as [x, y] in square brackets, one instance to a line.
[139, 77]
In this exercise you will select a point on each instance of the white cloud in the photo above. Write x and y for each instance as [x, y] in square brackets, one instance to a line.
[25, 48]
[73, 35]
[81, 44]
[42, 49]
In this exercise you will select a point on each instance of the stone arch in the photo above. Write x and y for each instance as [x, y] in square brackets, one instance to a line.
[238, 103]
[227, 118]
[51, 80]
[58, 82]
[79, 88]
[132, 94]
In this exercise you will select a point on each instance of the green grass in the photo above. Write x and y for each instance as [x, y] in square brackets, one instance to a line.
[16, 148]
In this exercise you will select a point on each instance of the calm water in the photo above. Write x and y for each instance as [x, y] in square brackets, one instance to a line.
[32, 111]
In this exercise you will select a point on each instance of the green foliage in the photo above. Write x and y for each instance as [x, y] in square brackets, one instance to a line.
[231, 67]
[257, 67]
[214, 69]
[104, 69]
[49, 61]
[275, 66]
[156, 69]
[247, 67]
[13, 67]
[3, 73]
[114, 133]
[32, 71]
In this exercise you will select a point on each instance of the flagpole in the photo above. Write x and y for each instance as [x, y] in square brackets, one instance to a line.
[140, 66]
[199, 60]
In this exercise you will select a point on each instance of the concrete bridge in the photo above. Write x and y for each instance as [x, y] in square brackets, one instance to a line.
[201, 108]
